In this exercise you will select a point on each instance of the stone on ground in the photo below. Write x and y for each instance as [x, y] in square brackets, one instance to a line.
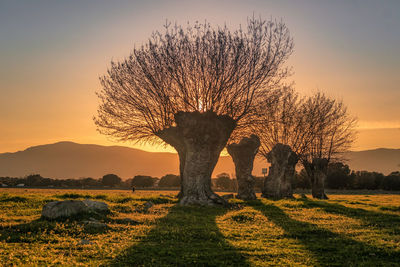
[64, 209]
[69, 208]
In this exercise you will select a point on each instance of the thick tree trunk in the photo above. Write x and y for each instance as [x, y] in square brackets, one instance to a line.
[196, 187]
[278, 183]
[243, 155]
[317, 171]
[319, 177]
[199, 139]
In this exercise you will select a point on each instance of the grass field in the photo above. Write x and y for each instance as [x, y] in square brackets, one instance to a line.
[347, 230]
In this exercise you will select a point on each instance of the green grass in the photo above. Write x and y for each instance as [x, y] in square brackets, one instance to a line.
[347, 230]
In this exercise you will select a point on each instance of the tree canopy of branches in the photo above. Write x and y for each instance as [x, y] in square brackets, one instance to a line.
[190, 87]
[283, 119]
[332, 126]
[197, 68]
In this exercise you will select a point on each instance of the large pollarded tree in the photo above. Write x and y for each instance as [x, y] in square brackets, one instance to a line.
[333, 132]
[243, 154]
[285, 134]
[190, 88]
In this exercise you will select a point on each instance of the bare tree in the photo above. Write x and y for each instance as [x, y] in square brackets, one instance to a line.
[284, 119]
[190, 88]
[314, 130]
[333, 130]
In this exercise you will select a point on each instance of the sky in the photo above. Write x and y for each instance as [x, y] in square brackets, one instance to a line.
[53, 52]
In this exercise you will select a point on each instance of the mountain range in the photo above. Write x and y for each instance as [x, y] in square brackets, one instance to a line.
[72, 160]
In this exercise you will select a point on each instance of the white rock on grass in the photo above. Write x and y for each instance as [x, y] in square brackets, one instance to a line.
[68, 208]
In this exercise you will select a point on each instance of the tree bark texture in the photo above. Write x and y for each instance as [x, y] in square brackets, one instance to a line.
[317, 171]
[243, 155]
[278, 183]
[199, 139]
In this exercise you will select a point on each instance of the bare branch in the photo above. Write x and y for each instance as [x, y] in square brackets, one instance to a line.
[196, 68]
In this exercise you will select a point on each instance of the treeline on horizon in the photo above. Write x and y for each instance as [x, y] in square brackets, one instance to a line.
[339, 177]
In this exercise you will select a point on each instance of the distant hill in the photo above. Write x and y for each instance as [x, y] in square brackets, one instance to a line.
[380, 160]
[72, 160]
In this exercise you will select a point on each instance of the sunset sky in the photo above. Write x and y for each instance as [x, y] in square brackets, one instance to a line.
[52, 53]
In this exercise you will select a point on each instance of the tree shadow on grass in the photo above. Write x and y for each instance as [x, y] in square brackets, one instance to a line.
[329, 248]
[186, 236]
[42, 230]
[389, 223]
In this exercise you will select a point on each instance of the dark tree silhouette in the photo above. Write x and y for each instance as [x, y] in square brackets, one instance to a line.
[34, 180]
[301, 180]
[368, 180]
[223, 181]
[170, 180]
[190, 88]
[111, 180]
[392, 181]
[143, 181]
[338, 176]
